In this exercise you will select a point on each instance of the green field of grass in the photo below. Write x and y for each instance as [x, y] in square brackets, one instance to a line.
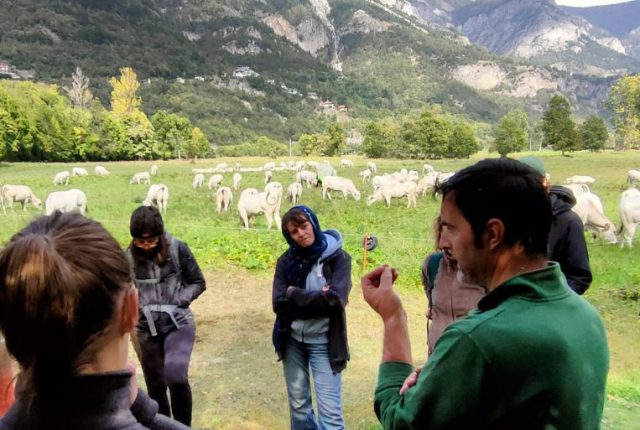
[237, 382]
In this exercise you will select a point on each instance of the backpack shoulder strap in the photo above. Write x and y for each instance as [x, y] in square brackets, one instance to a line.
[432, 271]
[175, 255]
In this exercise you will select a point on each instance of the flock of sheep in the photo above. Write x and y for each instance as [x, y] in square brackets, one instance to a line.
[384, 187]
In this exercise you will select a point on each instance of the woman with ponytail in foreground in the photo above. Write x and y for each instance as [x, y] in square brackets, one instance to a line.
[67, 308]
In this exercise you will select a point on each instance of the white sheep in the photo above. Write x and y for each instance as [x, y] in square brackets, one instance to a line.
[268, 174]
[426, 168]
[224, 197]
[366, 175]
[237, 177]
[140, 178]
[198, 180]
[10, 194]
[61, 178]
[158, 195]
[633, 176]
[346, 163]
[101, 171]
[215, 181]
[72, 200]
[307, 176]
[395, 190]
[427, 182]
[580, 180]
[294, 191]
[79, 171]
[252, 202]
[372, 166]
[337, 183]
[269, 166]
[154, 169]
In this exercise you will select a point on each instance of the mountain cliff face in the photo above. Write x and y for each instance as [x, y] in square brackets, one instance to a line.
[379, 57]
[536, 30]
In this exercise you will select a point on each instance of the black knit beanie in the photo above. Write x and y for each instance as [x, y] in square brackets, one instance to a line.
[146, 220]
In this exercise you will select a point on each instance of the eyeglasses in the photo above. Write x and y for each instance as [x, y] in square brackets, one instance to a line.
[146, 241]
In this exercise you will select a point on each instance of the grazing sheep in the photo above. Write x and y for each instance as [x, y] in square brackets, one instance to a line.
[224, 197]
[154, 169]
[337, 183]
[311, 178]
[10, 194]
[252, 202]
[72, 200]
[268, 174]
[198, 180]
[215, 181]
[591, 212]
[237, 177]
[426, 168]
[269, 166]
[101, 171]
[372, 166]
[158, 195]
[427, 182]
[633, 176]
[395, 190]
[79, 171]
[140, 178]
[588, 180]
[346, 163]
[61, 178]
[629, 215]
[366, 175]
[294, 191]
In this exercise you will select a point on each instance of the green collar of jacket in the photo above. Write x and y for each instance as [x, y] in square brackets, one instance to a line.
[546, 284]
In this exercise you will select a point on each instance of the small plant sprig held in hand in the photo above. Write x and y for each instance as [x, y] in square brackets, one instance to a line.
[369, 243]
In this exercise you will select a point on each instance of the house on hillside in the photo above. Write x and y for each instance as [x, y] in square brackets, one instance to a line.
[342, 108]
[4, 67]
[244, 72]
[327, 104]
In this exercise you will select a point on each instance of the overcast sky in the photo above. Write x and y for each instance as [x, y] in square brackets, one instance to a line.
[585, 3]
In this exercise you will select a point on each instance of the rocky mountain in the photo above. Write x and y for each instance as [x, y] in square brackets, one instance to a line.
[621, 20]
[243, 68]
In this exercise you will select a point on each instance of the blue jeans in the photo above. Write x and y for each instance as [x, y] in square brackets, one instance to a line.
[299, 358]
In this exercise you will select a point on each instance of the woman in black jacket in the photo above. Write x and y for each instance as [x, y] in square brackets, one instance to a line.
[67, 309]
[310, 291]
[168, 280]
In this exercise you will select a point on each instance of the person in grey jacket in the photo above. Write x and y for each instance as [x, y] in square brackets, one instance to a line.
[67, 310]
[311, 287]
[168, 279]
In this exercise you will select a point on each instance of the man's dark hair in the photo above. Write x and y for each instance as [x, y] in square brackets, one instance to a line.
[507, 190]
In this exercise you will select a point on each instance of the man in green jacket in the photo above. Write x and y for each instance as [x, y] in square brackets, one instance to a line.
[532, 356]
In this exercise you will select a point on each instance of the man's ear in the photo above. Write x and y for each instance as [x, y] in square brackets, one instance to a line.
[494, 232]
[129, 311]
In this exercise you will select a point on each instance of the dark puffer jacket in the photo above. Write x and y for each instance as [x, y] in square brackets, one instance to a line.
[566, 243]
[163, 285]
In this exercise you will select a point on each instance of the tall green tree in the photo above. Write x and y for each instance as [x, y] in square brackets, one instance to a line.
[624, 104]
[559, 130]
[335, 141]
[428, 136]
[307, 143]
[511, 133]
[594, 133]
[380, 139]
[172, 132]
[198, 145]
[463, 141]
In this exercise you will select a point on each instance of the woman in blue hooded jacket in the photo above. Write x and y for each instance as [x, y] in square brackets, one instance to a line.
[310, 291]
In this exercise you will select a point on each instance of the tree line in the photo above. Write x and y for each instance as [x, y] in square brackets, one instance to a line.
[41, 122]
